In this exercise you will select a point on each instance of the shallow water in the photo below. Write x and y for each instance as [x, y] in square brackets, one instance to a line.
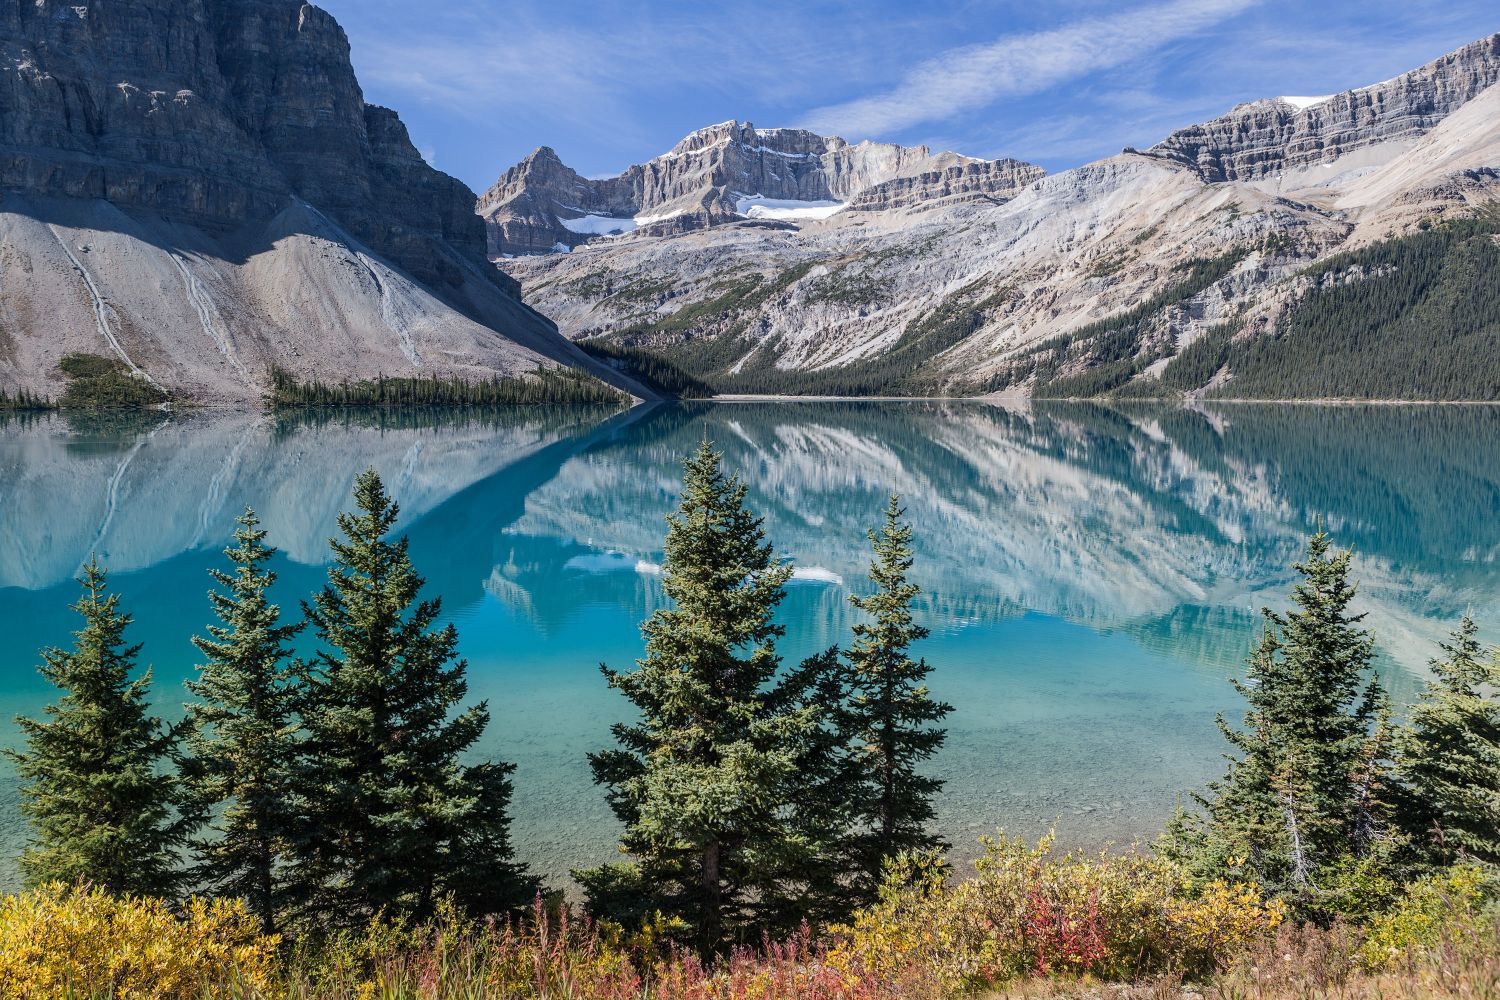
[1091, 575]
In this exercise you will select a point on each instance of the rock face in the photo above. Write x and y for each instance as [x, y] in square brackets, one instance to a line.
[727, 173]
[927, 283]
[1265, 138]
[182, 153]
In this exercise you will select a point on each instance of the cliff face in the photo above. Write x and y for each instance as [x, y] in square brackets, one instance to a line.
[727, 173]
[1265, 138]
[229, 136]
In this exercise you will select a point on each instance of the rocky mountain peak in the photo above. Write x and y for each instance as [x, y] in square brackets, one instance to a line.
[729, 173]
[1263, 139]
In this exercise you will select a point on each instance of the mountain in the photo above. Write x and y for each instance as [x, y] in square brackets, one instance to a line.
[730, 173]
[1341, 246]
[198, 190]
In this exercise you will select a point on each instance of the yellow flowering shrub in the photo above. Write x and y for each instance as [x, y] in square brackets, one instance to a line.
[1426, 909]
[1030, 911]
[61, 941]
[1221, 920]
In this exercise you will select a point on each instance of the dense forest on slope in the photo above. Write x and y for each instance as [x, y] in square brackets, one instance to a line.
[546, 386]
[1413, 317]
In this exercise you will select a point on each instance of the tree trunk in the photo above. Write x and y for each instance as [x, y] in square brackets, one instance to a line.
[710, 927]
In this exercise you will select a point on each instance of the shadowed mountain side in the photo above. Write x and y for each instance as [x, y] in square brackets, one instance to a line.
[199, 189]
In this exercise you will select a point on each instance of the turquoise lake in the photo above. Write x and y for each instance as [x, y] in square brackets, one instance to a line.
[1092, 575]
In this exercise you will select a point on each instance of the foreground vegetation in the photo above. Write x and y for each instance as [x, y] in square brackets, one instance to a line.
[317, 826]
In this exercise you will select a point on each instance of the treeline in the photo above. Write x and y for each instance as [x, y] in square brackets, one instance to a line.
[545, 385]
[328, 788]
[22, 400]
[654, 368]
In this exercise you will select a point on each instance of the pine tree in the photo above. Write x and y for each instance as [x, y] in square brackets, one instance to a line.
[1306, 792]
[102, 807]
[395, 821]
[243, 738]
[1449, 756]
[889, 719]
[708, 784]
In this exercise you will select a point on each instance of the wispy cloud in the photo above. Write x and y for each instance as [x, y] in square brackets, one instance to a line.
[973, 77]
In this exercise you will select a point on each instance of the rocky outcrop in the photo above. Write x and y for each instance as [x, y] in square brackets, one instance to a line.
[994, 181]
[212, 141]
[730, 172]
[1267, 137]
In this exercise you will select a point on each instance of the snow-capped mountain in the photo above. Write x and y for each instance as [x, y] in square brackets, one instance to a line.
[1095, 279]
[732, 172]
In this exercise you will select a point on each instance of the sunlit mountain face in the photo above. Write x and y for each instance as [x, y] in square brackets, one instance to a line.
[1092, 575]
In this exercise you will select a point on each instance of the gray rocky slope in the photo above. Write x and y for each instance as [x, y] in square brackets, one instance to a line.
[957, 290]
[198, 188]
[729, 173]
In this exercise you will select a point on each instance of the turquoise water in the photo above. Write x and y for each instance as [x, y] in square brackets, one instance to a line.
[1091, 575]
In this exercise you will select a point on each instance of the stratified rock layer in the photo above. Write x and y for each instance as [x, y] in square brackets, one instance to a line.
[1266, 137]
[703, 180]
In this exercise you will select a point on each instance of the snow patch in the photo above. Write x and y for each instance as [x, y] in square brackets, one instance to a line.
[599, 225]
[817, 574]
[1304, 102]
[600, 562]
[651, 220]
[561, 248]
[757, 206]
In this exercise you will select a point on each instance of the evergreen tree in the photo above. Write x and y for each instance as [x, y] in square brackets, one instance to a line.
[243, 741]
[395, 820]
[1305, 794]
[102, 808]
[1449, 755]
[889, 718]
[712, 781]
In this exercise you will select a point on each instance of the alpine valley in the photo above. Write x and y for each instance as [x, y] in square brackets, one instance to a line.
[1343, 246]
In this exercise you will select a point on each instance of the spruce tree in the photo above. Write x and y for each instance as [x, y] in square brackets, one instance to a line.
[243, 738]
[1305, 793]
[710, 782]
[890, 717]
[395, 820]
[102, 806]
[1449, 756]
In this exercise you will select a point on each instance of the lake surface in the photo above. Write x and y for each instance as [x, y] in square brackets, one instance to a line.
[1091, 575]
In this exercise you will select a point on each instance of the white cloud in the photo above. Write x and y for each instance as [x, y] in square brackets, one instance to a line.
[429, 154]
[973, 77]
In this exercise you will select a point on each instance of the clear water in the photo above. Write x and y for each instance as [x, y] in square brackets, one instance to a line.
[1092, 575]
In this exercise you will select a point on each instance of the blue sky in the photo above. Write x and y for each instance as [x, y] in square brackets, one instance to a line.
[607, 83]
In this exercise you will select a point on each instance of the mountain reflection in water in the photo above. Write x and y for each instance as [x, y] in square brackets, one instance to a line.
[1092, 574]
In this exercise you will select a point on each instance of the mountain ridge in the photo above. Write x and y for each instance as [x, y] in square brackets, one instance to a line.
[1092, 280]
[727, 173]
